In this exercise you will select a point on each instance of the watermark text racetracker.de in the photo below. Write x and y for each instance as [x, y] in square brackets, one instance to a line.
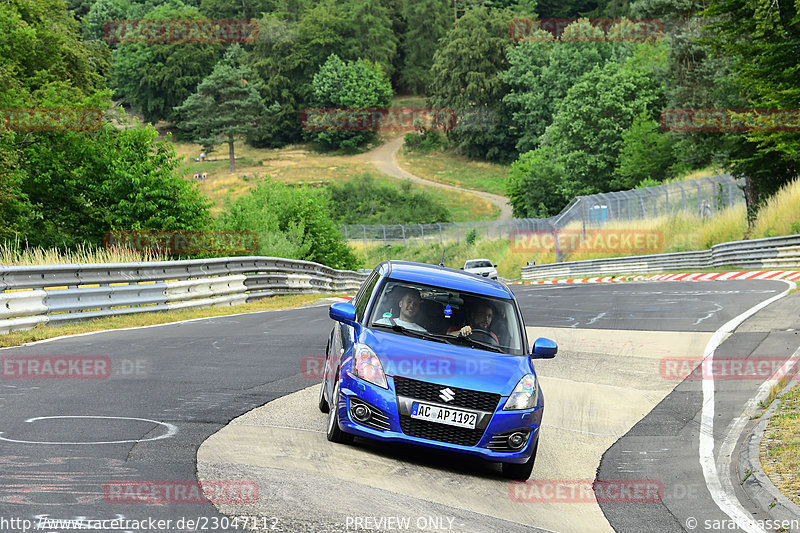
[377, 119]
[412, 366]
[71, 367]
[51, 118]
[585, 30]
[727, 368]
[688, 120]
[181, 31]
[600, 241]
[46, 523]
[185, 242]
[586, 491]
[180, 492]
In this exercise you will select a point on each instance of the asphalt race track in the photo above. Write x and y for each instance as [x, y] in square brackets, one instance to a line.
[614, 412]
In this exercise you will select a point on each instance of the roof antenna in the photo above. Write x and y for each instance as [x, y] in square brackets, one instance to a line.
[441, 263]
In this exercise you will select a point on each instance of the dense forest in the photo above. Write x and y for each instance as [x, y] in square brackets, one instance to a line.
[572, 114]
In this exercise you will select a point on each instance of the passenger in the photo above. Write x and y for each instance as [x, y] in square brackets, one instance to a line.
[409, 306]
[480, 318]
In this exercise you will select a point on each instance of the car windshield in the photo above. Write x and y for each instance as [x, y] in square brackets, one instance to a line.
[441, 315]
[478, 264]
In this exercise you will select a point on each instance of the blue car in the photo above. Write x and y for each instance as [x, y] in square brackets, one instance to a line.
[435, 357]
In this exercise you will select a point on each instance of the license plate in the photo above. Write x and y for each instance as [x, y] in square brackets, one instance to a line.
[443, 415]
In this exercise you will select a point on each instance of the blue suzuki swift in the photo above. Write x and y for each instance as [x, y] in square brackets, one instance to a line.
[435, 357]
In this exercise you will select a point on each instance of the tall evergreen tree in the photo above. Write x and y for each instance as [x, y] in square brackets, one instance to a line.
[224, 107]
[427, 21]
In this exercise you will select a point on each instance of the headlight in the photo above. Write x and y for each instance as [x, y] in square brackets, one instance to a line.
[367, 366]
[525, 395]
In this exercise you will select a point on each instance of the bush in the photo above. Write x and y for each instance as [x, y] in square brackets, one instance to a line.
[291, 222]
[367, 201]
[424, 142]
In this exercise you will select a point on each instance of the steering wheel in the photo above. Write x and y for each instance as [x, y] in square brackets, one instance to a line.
[484, 336]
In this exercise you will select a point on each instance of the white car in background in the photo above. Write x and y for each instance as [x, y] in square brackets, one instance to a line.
[481, 267]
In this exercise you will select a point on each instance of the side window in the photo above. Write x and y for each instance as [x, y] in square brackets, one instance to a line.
[363, 297]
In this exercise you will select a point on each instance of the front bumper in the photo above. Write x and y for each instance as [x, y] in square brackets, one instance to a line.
[497, 424]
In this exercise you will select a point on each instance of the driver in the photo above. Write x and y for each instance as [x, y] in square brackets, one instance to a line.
[480, 317]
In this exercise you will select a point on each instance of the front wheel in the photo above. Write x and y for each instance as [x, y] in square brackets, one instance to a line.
[520, 471]
[335, 434]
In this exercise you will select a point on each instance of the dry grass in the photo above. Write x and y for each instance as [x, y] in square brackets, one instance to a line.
[780, 449]
[13, 255]
[41, 332]
[781, 213]
[298, 164]
[454, 169]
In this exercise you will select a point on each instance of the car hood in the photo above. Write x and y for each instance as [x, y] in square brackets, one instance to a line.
[446, 364]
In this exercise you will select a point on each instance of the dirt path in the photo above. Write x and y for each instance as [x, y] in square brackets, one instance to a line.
[384, 158]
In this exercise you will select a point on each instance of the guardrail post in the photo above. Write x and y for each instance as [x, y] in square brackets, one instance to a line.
[441, 239]
[458, 237]
[384, 234]
[666, 197]
[422, 230]
[683, 196]
[403, 228]
[365, 235]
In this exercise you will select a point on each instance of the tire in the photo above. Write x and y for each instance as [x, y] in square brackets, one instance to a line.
[322, 402]
[520, 471]
[335, 434]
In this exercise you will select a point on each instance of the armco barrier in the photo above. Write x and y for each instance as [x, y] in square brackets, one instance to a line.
[55, 294]
[769, 253]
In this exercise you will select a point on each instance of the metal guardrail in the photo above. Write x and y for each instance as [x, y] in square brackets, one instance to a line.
[55, 294]
[768, 253]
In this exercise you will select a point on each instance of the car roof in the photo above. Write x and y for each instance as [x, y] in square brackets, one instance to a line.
[445, 277]
[479, 259]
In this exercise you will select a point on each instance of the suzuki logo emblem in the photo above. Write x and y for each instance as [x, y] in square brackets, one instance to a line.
[447, 394]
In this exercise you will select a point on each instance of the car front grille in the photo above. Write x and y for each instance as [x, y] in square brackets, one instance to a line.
[430, 392]
[441, 432]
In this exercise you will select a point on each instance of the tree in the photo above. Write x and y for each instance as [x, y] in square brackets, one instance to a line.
[41, 53]
[224, 107]
[290, 222]
[535, 185]
[646, 153]
[84, 184]
[154, 78]
[101, 12]
[465, 77]
[15, 209]
[285, 64]
[587, 130]
[351, 85]
[427, 21]
[371, 36]
[540, 73]
[762, 38]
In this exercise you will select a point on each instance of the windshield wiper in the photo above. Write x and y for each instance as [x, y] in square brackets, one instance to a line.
[418, 334]
[484, 345]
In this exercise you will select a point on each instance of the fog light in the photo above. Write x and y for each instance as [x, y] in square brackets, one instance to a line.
[517, 440]
[361, 413]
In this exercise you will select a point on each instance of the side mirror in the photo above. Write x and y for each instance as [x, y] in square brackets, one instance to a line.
[543, 348]
[343, 312]
[461, 268]
[495, 266]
